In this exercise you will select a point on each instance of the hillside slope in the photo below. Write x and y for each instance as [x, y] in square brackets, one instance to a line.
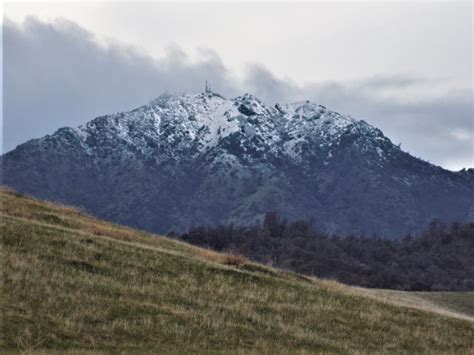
[72, 282]
[218, 160]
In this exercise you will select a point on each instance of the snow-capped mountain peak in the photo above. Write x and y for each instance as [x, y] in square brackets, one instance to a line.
[184, 160]
[241, 130]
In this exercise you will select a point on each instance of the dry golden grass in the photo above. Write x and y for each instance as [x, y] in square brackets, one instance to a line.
[72, 283]
[410, 299]
[222, 258]
[111, 232]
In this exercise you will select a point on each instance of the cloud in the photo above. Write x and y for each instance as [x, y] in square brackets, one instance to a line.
[59, 74]
[394, 81]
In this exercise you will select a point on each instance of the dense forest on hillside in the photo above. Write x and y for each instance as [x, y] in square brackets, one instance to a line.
[440, 258]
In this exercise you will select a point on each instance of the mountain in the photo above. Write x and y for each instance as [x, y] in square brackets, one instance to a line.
[185, 160]
[76, 284]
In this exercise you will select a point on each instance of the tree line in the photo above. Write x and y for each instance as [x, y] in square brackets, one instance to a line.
[441, 258]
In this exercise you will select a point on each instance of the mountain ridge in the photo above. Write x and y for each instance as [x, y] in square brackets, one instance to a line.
[219, 160]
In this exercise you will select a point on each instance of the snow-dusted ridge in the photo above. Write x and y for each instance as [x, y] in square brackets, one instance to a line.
[184, 160]
[203, 121]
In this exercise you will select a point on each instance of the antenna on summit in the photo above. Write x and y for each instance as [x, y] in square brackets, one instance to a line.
[208, 87]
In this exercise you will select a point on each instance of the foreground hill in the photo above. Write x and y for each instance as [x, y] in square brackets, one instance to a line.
[71, 282]
[218, 160]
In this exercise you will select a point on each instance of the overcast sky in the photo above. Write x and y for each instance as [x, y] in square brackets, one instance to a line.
[405, 68]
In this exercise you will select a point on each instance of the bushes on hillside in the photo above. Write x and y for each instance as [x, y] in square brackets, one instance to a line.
[440, 258]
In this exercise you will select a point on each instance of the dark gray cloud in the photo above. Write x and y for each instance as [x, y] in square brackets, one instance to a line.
[58, 74]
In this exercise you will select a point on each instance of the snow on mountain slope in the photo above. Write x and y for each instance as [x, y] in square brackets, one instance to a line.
[184, 160]
[202, 121]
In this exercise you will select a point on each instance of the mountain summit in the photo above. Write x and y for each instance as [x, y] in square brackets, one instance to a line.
[185, 160]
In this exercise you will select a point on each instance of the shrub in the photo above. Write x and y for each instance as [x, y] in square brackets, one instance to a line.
[230, 259]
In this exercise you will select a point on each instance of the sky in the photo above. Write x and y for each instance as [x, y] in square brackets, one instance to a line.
[404, 67]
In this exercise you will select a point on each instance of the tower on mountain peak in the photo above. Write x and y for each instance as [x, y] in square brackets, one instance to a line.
[208, 87]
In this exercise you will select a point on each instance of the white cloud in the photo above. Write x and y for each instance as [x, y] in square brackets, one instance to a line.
[463, 135]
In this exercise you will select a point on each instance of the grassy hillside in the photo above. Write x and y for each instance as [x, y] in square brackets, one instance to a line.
[462, 302]
[71, 282]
